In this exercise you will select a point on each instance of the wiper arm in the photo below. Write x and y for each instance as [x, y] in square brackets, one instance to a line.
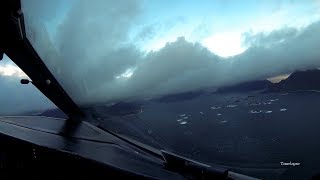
[197, 170]
[189, 168]
[146, 148]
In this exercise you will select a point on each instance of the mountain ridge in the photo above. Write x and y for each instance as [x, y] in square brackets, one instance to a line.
[299, 80]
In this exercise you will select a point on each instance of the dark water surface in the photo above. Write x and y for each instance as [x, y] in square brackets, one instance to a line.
[240, 130]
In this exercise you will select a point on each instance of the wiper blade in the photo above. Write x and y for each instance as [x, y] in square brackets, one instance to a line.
[191, 168]
[146, 148]
[197, 170]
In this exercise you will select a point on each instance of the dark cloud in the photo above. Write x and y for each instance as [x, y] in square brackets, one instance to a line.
[263, 39]
[92, 50]
[157, 29]
[280, 52]
[51, 8]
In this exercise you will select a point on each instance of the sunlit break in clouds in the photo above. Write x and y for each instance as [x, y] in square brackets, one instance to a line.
[127, 74]
[11, 70]
[225, 44]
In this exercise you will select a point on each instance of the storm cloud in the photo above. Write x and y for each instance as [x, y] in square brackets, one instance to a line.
[92, 56]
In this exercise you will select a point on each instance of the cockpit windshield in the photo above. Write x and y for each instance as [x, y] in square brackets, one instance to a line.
[235, 82]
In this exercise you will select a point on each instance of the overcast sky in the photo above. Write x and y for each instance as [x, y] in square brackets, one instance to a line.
[16, 98]
[112, 50]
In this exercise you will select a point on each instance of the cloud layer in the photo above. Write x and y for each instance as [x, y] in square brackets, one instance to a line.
[92, 50]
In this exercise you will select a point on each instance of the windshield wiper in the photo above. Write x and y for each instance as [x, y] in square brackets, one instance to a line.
[186, 167]
[197, 170]
[191, 168]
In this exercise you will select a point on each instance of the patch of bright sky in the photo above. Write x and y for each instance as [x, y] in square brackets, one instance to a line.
[8, 68]
[127, 74]
[277, 79]
[219, 25]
